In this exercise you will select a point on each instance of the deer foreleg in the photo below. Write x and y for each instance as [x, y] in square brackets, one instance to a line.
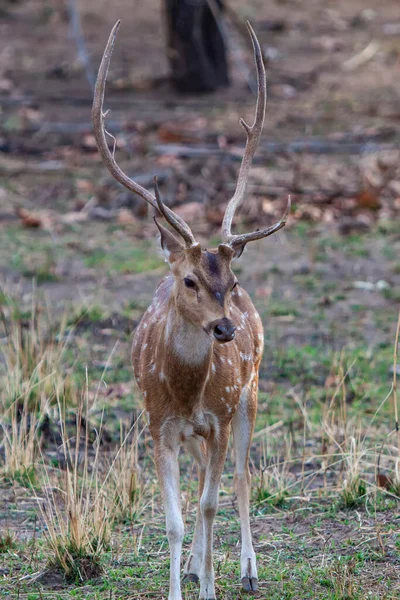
[168, 474]
[216, 454]
[243, 425]
[193, 564]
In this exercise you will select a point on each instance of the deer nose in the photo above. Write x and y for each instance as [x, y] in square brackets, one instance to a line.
[224, 330]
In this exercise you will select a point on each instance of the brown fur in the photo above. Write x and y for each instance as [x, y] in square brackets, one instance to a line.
[198, 380]
[195, 388]
[172, 388]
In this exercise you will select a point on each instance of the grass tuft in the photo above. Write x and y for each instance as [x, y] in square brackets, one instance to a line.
[7, 542]
[77, 522]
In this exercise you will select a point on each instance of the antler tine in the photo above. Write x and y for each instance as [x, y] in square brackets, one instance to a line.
[239, 241]
[98, 117]
[171, 217]
[253, 136]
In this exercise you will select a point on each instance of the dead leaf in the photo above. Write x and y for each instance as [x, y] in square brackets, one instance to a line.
[168, 135]
[188, 132]
[308, 212]
[369, 199]
[89, 142]
[268, 207]
[384, 481]
[28, 218]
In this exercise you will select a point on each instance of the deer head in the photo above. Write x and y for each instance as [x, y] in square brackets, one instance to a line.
[203, 279]
[203, 284]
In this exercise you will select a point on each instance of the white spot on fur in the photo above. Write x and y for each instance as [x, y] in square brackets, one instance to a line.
[227, 389]
[213, 368]
[144, 325]
[222, 359]
[229, 362]
[162, 376]
[260, 336]
[144, 347]
[152, 368]
[145, 396]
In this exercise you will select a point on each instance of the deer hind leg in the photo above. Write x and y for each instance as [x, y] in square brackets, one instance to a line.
[242, 426]
[193, 564]
[216, 454]
[166, 459]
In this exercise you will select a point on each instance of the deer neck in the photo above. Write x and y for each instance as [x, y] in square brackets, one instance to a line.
[187, 359]
[191, 346]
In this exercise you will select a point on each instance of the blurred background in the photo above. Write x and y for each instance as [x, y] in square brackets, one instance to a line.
[82, 250]
[330, 138]
[330, 141]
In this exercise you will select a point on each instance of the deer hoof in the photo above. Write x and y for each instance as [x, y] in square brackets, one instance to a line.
[250, 584]
[190, 577]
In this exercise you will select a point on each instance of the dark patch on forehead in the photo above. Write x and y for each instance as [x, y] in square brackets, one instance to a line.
[215, 275]
[213, 263]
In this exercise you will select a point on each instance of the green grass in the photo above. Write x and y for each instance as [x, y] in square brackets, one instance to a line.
[312, 541]
[124, 258]
[321, 566]
[36, 254]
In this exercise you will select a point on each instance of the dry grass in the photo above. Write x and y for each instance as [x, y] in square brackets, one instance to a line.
[96, 488]
[125, 486]
[355, 457]
[75, 508]
[96, 485]
[92, 485]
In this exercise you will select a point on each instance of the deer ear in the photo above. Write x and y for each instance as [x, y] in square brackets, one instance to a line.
[238, 250]
[171, 246]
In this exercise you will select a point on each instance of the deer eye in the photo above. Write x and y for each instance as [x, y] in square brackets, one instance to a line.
[189, 282]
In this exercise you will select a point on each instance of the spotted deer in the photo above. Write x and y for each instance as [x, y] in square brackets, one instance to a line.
[196, 355]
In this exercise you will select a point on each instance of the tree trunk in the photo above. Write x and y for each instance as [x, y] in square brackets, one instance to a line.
[196, 49]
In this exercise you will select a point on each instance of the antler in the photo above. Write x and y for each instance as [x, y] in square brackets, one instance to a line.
[253, 134]
[98, 117]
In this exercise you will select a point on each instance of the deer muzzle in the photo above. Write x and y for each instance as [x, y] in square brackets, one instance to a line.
[223, 330]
